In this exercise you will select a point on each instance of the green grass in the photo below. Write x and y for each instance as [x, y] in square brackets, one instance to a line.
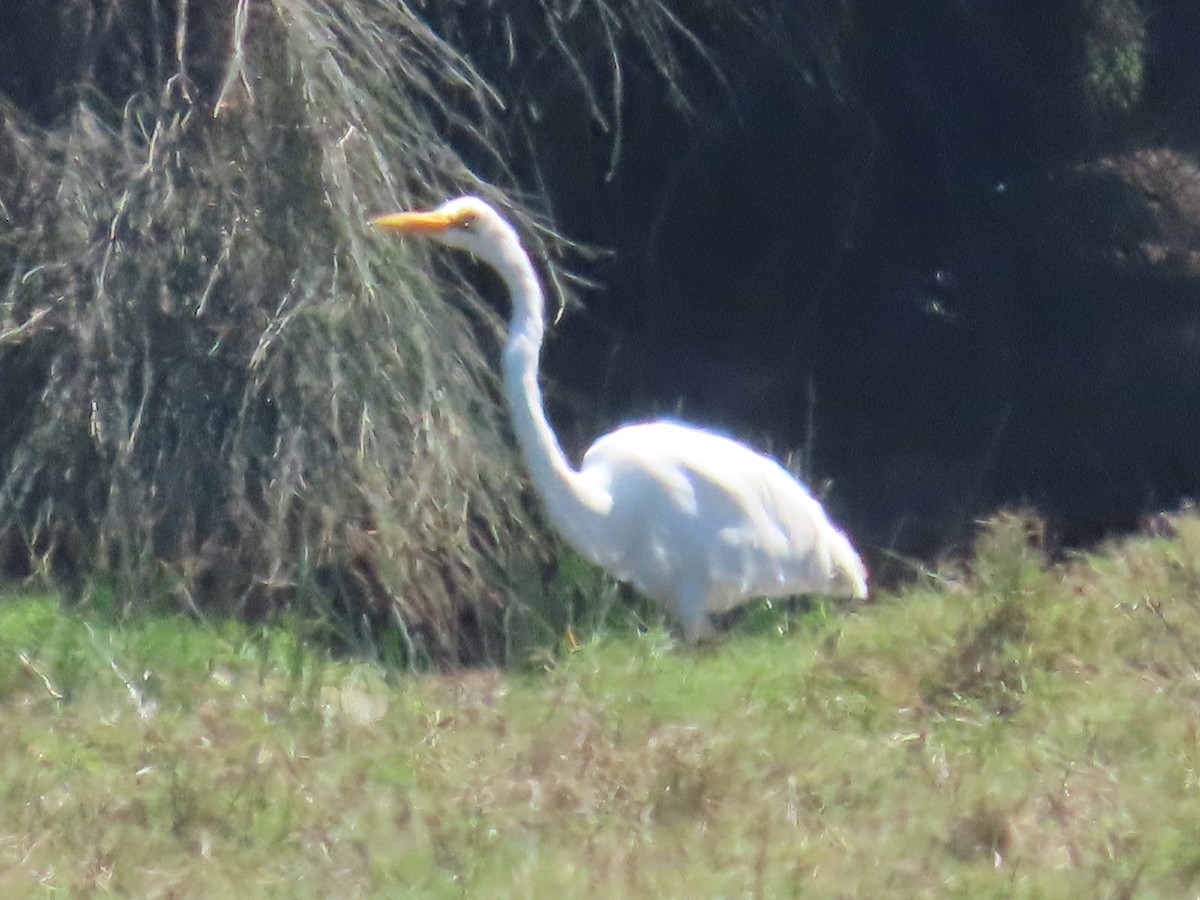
[1009, 729]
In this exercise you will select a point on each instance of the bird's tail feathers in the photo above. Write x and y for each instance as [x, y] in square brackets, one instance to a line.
[848, 573]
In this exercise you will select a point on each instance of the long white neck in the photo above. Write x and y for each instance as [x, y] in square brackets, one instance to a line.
[573, 506]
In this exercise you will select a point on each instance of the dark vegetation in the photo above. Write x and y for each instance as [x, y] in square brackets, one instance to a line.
[948, 251]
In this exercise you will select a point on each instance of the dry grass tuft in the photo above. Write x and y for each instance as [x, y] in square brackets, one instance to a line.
[221, 386]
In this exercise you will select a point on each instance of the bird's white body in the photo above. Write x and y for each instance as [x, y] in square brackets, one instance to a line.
[705, 523]
[691, 518]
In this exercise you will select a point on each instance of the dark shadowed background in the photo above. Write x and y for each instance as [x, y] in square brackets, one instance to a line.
[942, 255]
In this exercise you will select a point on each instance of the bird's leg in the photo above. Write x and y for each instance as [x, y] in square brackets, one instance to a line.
[699, 632]
[693, 613]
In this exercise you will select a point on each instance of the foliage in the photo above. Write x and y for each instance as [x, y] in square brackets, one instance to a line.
[214, 376]
[215, 380]
[1003, 728]
[1114, 55]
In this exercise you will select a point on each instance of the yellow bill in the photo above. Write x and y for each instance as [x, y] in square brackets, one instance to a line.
[414, 222]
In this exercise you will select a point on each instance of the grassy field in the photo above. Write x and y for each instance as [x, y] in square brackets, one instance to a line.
[1009, 730]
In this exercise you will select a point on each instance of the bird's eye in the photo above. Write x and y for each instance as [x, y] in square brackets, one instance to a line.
[465, 221]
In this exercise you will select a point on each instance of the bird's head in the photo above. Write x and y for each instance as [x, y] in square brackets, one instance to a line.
[466, 223]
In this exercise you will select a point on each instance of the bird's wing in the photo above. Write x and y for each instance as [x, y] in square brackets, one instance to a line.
[686, 458]
[745, 496]
[748, 504]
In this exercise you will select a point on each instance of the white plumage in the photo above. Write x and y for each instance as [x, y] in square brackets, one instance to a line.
[691, 518]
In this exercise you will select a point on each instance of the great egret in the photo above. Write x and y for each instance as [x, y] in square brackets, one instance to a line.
[693, 519]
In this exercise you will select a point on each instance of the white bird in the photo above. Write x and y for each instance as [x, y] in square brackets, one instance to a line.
[692, 519]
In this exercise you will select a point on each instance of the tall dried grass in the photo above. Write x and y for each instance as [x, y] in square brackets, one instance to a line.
[218, 385]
